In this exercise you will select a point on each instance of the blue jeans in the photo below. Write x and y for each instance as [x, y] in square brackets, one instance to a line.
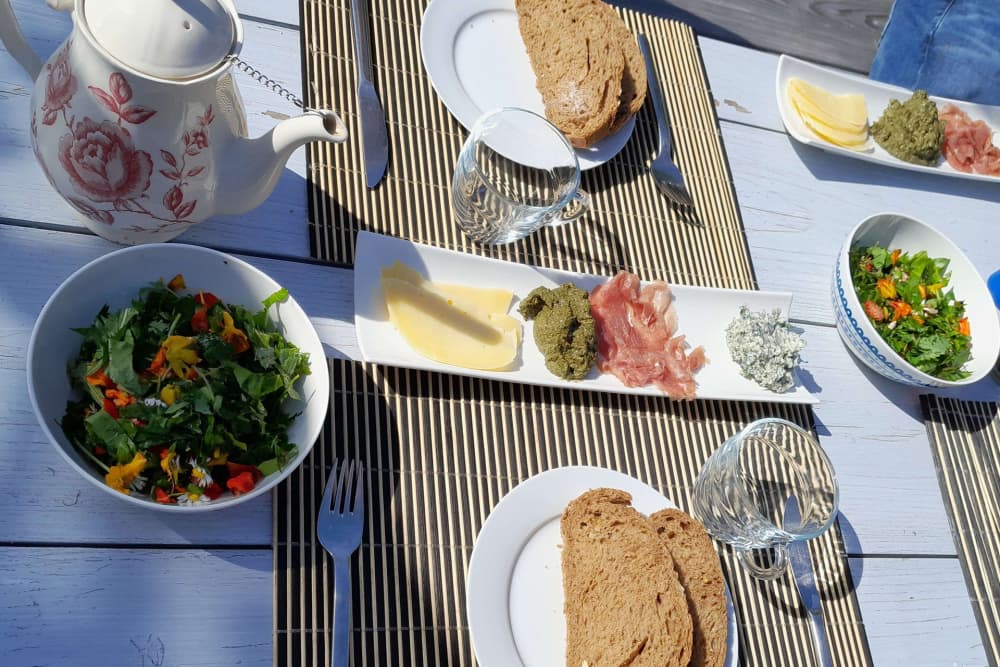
[949, 48]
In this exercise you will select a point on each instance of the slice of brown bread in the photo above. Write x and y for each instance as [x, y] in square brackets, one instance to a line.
[578, 63]
[698, 567]
[634, 77]
[624, 604]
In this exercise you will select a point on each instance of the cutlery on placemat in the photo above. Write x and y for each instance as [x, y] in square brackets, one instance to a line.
[339, 527]
[666, 174]
[805, 582]
[374, 141]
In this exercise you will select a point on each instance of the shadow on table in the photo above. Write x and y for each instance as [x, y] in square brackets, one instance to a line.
[830, 167]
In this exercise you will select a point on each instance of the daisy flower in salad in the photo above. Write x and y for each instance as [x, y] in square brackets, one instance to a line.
[183, 395]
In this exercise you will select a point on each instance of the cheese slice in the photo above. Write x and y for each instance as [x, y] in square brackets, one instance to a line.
[847, 113]
[434, 326]
[852, 140]
[485, 300]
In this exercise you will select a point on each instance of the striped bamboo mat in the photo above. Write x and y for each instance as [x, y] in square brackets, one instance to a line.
[632, 225]
[965, 441]
[441, 451]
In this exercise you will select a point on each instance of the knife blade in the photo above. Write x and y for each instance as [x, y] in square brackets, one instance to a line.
[805, 581]
[374, 140]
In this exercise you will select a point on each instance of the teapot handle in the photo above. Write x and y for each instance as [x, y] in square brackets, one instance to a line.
[17, 45]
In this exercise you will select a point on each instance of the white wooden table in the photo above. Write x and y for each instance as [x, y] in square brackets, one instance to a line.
[86, 580]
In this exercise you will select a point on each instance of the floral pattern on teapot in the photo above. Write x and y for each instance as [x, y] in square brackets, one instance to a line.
[107, 171]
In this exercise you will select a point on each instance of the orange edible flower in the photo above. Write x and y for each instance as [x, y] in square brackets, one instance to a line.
[120, 397]
[887, 288]
[240, 468]
[213, 491]
[110, 407]
[235, 337]
[900, 309]
[919, 320]
[242, 483]
[159, 365]
[874, 311]
[923, 291]
[218, 458]
[120, 477]
[894, 257]
[169, 464]
[963, 327]
[99, 379]
[163, 497]
[176, 283]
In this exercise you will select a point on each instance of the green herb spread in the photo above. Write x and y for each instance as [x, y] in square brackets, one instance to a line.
[564, 329]
[911, 130]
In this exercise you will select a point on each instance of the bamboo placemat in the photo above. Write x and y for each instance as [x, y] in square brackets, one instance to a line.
[440, 452]
[632, 225]
[965, 442]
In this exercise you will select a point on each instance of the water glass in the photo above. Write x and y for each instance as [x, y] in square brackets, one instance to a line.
[741, 492]
[516, 173]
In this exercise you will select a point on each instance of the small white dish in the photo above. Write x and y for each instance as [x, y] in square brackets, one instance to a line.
[514, 594]
[476, 61]
[703, 314]
[891, 231]
[877, 98]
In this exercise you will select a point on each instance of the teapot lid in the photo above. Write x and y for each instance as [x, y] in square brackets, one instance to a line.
[166, 39]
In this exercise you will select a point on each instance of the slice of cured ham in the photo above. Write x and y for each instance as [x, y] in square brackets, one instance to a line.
[635, 336]
[968, 145]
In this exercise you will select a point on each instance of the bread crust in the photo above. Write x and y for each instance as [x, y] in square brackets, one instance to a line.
[700, 574]
[624, 603]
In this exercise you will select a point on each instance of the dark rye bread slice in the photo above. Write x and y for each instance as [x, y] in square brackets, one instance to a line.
[700, 574]
[624, 604]
[634, 77]
[578, 65]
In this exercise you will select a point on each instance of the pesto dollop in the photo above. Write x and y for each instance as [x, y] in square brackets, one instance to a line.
[564, 329]
[911, 130]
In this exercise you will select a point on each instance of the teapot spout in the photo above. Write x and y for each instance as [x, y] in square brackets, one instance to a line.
[254, 166]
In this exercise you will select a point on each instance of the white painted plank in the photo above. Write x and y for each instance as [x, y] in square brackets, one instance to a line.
[742, 83]
[283, 11]
[278, 225]
[917, 612]
[149, 608]
[871, 427]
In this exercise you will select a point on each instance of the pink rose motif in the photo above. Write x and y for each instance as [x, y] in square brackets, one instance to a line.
[91, 212]
[59, 87]
[102, 162]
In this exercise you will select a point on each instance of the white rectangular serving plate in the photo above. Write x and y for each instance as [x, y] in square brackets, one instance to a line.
[877, 98]
[703, 314]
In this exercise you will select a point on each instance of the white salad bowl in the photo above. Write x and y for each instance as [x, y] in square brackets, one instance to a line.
[115, 279]
[891, 230]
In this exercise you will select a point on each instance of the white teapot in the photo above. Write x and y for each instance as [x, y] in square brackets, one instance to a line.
[137, 123]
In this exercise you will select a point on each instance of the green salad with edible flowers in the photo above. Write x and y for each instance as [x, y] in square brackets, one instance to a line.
[907, 300]
[184, 394]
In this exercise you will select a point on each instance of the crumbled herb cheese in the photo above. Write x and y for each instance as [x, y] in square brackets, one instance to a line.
[764, 348]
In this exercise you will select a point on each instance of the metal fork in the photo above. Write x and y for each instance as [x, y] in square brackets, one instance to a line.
[339, 527]
[666, 174]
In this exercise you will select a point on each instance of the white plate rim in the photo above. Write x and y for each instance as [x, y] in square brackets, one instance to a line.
[442, 20]
[499, 544]
[373, 251]
[789, 66]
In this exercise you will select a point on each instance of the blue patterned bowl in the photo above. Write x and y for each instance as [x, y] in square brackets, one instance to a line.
[892, 230]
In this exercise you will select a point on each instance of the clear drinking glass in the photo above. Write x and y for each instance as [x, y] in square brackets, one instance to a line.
[741, 492]
[515, 174]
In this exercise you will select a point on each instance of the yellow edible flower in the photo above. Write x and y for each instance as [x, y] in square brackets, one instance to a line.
[887, 288]
[170, 393]
[120, 477]
[235, 337]
[180, 355]
[169, 465]
[218, 458]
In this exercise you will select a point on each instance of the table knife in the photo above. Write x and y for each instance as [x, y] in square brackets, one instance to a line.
[805, 581]
[374, 141]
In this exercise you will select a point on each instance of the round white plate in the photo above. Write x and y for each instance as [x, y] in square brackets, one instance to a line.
[514, 593]
[476, 61]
